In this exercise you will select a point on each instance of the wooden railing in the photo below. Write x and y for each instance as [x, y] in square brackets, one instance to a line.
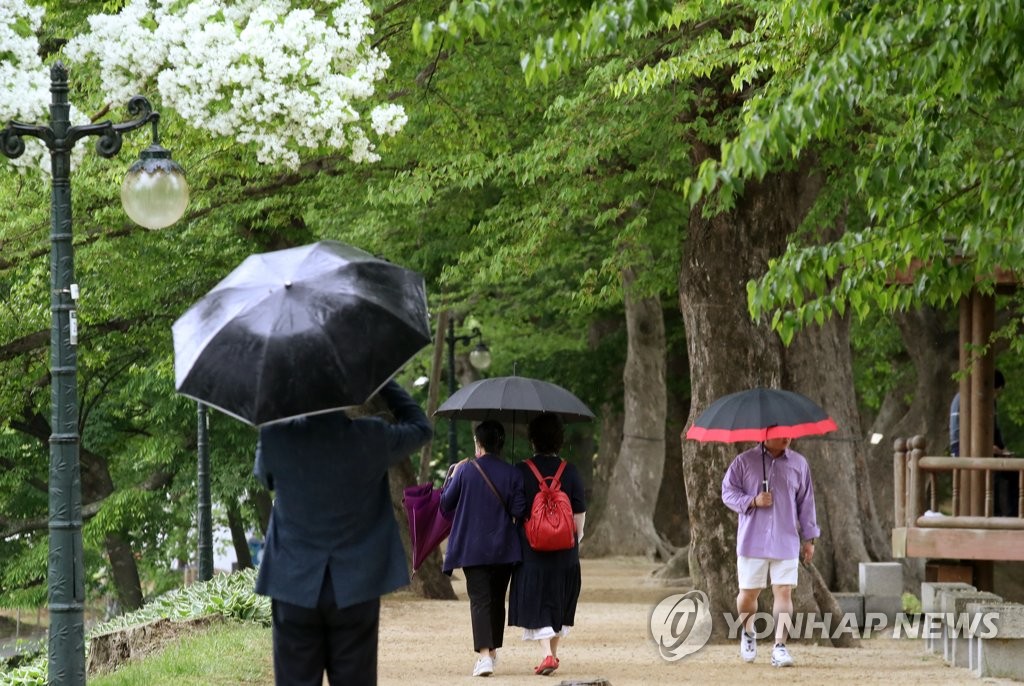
[972, 530]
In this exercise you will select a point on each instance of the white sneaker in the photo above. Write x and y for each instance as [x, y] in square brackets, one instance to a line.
[748, 647]
[781, 656]
[484, 667]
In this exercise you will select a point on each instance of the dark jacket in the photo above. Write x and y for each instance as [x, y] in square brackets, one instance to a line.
[332, 504]
[483, 532]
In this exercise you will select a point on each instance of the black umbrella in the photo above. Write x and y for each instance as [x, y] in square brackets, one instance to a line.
[514, 399]
[300, 331]
[759, 414]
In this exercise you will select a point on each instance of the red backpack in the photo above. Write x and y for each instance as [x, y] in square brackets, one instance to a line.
[550, 526]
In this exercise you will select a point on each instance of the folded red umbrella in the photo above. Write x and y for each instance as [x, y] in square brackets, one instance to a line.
[428, 526]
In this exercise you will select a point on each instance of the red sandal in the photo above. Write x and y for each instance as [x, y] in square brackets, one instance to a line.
[547, 666]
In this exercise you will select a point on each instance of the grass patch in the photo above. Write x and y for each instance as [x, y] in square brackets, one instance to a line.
[231, 653]
[244, 649]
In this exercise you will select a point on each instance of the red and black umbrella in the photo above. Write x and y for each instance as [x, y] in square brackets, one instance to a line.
[759, 414]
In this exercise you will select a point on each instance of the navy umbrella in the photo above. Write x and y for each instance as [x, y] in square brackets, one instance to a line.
[513, 399]
[300, 331]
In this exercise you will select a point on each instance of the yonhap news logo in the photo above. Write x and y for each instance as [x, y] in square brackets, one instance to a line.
[681, 624]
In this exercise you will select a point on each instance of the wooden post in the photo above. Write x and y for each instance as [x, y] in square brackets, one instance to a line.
[988, 493]
[982, 394]
[916, 496]
[899, 481]
[962, 479]
[957, 508]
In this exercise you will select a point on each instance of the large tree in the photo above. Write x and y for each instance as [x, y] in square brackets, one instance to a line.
[708, 59]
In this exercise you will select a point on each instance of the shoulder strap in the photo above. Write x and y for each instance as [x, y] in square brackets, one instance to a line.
[544, 481]
[536, 472]
[491, 484]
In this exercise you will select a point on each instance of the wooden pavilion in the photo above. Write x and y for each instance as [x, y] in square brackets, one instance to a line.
[971, 533]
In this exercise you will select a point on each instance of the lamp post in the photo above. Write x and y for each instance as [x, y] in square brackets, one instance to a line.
[480, 358]
[65, 573]
[205, 514]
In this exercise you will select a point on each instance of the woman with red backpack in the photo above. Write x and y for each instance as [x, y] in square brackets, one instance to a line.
[546, 586]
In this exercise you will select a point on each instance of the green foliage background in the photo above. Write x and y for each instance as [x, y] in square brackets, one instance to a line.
[550, 146]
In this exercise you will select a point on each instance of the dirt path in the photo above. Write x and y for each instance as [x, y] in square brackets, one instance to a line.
[428, 643]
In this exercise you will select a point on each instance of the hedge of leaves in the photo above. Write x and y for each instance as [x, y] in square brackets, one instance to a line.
[228, 595]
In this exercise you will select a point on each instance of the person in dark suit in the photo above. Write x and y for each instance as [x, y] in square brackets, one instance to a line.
[486, 495]
[333, 546]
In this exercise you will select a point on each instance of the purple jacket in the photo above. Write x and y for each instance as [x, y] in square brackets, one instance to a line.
[483, 532]
[771, 532]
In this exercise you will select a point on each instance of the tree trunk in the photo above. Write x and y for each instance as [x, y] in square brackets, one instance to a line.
[239, 539]
[671, 518]
[930, 339]
[627, 524]
[125, 573]
[730, 352]
[433, 392]
[261, 500]
[610, 430]
[918, 405]
[819, 364]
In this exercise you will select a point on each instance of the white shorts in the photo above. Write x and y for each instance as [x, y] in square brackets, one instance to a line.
[754, 571]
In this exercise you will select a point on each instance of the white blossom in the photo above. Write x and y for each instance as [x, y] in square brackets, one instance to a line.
[265, 72]
[25, 80]
[388, 119]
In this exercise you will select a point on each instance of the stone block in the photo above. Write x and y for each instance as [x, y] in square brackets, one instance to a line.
[929, 604]
[1010, 620]
[957, 622]
[1001, 655]
[1001, 658]
[883, 579]
[930, 589]
[851, 603]
[890, 606]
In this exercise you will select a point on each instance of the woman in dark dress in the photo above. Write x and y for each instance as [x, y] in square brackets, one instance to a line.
[546, 586]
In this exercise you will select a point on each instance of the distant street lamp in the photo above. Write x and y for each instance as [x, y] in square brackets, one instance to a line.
[480, 358]
[204, 520]
[154, 194]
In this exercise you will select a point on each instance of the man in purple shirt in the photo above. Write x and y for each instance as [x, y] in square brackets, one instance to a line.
[770, 487]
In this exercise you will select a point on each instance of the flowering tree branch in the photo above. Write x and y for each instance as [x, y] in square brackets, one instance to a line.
[274, 74]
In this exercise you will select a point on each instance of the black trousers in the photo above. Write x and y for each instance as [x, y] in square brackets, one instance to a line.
[486, 587]
[339, 641]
